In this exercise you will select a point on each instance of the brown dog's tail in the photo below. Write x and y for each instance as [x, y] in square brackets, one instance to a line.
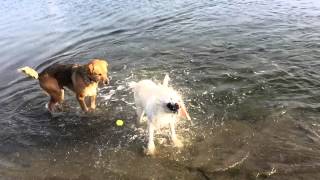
[29, 72]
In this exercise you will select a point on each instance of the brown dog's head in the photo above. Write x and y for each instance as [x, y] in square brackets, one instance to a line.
[98, 71]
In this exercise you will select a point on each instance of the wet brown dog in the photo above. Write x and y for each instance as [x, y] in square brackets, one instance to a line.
[83, 80]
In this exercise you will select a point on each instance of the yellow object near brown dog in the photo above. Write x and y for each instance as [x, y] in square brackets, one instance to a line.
[119, 122]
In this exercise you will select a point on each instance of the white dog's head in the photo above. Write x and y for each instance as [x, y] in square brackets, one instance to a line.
[171, 101]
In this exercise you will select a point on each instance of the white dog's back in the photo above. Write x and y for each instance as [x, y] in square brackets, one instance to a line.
[143, 91]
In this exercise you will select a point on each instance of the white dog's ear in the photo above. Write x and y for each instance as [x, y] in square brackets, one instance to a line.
[166, 80]
[183, 111]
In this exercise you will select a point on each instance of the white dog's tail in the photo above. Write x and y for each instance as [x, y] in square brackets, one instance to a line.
[166, 80]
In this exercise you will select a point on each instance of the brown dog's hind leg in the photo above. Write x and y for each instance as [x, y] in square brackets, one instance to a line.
[52, 103]
[62, 95]
[51, 86]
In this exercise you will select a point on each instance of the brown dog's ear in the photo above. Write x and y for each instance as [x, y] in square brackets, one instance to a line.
[91, 68]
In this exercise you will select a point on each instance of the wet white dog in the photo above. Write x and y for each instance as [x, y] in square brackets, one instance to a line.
[162, 106]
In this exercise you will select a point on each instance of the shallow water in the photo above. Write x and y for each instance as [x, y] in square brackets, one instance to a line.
[248, 71]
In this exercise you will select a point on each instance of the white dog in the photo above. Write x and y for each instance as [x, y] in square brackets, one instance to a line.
[161, 104]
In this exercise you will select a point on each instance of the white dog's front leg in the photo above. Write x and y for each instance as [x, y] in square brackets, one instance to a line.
[140, 114]
[174, 138]
[151, 146]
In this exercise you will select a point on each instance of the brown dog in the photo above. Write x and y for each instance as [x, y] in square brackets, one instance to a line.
[83, 80]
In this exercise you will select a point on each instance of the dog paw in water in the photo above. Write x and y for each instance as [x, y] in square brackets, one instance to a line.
[91, 110]
[57, 108]
[151, 150]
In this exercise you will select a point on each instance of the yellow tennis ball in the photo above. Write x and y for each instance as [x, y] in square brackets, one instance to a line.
[119, 122]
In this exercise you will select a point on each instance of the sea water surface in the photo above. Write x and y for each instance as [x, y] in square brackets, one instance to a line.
[249, 71]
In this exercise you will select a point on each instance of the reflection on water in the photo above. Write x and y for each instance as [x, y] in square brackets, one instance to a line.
[248, 70]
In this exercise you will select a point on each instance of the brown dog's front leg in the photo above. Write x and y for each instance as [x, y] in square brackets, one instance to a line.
[80, 98]
[93, 102]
